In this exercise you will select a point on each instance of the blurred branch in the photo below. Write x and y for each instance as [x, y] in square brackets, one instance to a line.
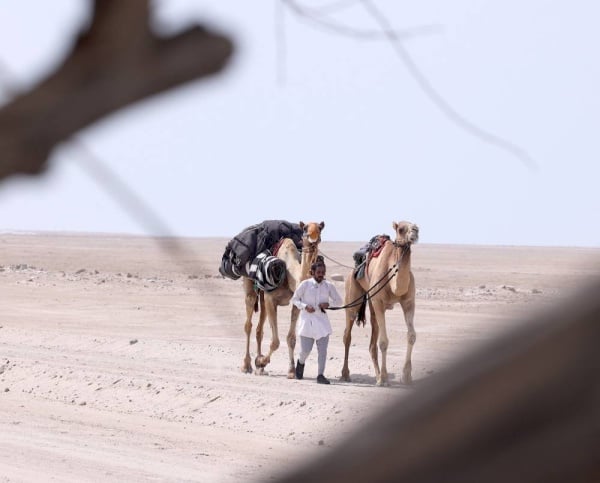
[280, 42]
[134, 205]
[9, 86]
[120, 191]
[316, 16]
[116, 62]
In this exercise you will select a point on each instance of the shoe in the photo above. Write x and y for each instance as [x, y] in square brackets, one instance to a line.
[299, 370]
[321, 379]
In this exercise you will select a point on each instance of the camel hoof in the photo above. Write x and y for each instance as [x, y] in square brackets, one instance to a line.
[407, 380]
[261, 361]
[345, 374]
[260, 371]
[381, 383]
[291, 374]
[246, 369]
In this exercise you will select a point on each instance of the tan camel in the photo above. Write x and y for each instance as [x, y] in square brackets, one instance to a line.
[297, 269]
[388, 280]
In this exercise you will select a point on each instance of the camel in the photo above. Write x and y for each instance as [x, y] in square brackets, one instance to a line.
[388, 280]
[266, 303]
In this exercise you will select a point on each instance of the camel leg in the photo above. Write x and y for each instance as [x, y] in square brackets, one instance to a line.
[353, 292]
[262, 361]
[250, 300]
[262, 316]
[350, 315]
[408, 307]
[379, 312]
[373, 342]
[291, 341]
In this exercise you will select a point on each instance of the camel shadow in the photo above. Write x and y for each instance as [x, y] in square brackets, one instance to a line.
[369, 380]
[357, 380]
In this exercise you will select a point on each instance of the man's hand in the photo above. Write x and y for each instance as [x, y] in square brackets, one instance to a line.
[310, 309]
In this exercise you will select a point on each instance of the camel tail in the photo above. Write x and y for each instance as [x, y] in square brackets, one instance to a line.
[361, 316]
[258, 299]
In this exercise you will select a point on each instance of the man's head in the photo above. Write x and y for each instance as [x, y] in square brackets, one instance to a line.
[317, 270]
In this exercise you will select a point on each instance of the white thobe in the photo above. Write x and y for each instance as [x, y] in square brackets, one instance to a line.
[316, 324]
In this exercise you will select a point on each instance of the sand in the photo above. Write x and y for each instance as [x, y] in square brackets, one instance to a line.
[120, 360]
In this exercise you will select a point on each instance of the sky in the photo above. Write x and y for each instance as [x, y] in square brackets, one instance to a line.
[476, 120]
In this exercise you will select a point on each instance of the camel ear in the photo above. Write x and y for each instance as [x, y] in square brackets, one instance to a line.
[395, 225]
[301, 224]
[322, 225]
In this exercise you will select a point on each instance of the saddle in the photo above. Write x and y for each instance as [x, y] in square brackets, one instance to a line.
[366, 253]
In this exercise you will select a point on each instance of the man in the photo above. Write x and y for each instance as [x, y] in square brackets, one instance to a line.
[312, 297]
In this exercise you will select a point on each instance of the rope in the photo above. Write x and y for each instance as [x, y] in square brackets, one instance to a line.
[312, 250]
[367, 295]
[334, 261]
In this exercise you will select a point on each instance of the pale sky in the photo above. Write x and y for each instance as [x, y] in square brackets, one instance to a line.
[347, 135]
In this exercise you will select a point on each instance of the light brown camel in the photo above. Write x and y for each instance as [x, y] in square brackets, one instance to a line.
[297, 269]
[387, 280]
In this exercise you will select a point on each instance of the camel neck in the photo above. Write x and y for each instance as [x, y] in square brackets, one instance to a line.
[308, 256]
[402, 278]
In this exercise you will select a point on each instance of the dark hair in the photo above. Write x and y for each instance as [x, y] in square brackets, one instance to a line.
[317, 264]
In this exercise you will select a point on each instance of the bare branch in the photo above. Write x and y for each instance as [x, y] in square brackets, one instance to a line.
[332, 7]
[315, 17]
[395, 38]
[438, 100]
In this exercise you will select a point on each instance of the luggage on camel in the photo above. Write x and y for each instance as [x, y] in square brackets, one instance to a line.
[267, 271]
[241, 250]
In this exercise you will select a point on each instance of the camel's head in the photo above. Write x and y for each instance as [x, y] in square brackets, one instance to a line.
[406, 232]
[311, 232]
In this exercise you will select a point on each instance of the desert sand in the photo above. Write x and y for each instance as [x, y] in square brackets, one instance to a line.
[120, 359]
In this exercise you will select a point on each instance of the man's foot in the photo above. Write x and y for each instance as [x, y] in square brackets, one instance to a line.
[299, 370]
[321, 379]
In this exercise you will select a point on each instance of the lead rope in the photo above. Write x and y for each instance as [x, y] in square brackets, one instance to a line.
[334, 261]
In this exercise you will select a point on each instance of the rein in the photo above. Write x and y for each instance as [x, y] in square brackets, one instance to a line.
[335, 261]
[368, 295]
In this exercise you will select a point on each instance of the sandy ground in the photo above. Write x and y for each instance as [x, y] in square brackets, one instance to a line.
[120, 361]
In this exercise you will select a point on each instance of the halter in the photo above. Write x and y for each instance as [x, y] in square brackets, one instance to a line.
[310, 248]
